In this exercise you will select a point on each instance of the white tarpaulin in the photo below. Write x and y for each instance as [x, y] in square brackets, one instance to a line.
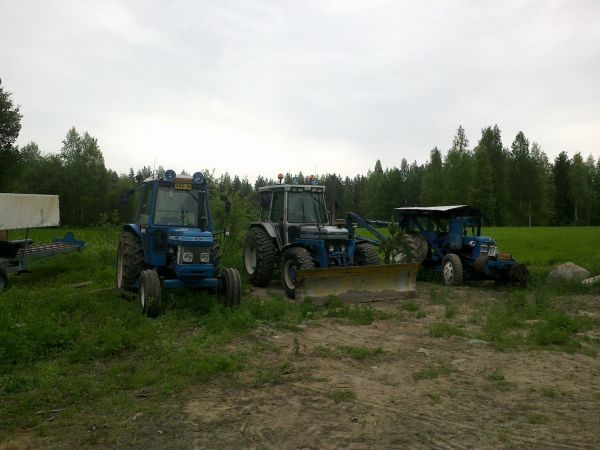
[28, 211]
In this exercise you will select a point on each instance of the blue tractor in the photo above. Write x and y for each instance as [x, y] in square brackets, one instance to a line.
[172, 244]
[448, 238]
[294, 234]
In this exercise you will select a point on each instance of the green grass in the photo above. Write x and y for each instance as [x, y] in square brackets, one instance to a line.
[73, 349]
[411, 306]
[541, 248]
[362, 353]
[534, 319]
[445, 329]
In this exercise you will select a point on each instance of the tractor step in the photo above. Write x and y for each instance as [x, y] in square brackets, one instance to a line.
[358, 284]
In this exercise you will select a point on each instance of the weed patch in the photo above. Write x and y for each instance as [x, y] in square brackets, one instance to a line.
[431, 372]
[362, 353]
[533, 319]
[341, 395]
[356, 315]
[445, 329]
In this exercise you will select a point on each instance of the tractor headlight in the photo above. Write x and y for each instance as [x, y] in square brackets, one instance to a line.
[331, 248]
[473, 244]
[188, 257]
[343, 248]
[204, 257]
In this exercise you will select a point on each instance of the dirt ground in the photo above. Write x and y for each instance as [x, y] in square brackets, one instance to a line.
[417, 392]
[305, 389]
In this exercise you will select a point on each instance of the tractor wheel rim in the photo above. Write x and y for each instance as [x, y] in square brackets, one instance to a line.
[289, 272]
[142, 296]
[448, 271]
[250, 259]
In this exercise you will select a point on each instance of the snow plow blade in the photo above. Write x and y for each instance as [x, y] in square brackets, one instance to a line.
[358, 284]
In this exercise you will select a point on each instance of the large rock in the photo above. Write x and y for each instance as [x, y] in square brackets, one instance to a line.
[568, 272]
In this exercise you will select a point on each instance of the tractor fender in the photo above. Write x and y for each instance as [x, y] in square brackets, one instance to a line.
[132, 228]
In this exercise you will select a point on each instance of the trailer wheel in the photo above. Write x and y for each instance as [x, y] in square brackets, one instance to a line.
[149, 293]
[130, 261]
[259, 256]
[230, 293]
[294, 259]
[366, 255]
[452, 270]
[3, 280]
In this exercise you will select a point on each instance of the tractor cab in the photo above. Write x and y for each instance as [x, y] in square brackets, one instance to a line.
[297, 215]
[175, 226]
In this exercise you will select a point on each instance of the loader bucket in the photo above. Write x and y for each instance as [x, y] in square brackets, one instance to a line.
[358, 284]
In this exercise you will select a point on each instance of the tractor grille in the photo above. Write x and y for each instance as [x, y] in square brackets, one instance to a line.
[489, 249]
[200, 255]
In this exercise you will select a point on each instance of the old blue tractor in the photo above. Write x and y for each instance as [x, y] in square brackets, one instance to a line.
[172, 244]
[315, 257]
[448, 238]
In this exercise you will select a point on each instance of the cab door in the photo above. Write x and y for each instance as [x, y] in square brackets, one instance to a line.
[278, 215]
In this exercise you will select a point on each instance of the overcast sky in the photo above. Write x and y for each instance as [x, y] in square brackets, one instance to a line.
[260, 87]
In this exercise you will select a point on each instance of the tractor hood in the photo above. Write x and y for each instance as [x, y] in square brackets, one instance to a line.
[326, 232]
[189, 236]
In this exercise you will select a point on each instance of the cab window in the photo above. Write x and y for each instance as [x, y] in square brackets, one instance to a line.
[144, 213]
[277, 209]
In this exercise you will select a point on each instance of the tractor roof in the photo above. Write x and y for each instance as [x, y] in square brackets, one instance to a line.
[293, 187]
[440, 211]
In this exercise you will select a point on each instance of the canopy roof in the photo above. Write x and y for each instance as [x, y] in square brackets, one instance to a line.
[440, 211]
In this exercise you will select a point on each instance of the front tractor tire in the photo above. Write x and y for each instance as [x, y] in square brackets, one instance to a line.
[229, 293]
[149, 293]
[130, 261]
[452, 270]
[294, 259]
[259, 256]
[366, 255]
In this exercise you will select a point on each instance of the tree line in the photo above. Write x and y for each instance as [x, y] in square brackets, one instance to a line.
[514, 185]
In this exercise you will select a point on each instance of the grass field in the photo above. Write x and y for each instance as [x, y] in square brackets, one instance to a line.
[541, 248]
[74, 354]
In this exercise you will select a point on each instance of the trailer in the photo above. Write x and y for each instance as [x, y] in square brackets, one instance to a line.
[25, 211]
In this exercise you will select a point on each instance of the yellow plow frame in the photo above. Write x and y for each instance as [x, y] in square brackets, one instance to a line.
[358, 284]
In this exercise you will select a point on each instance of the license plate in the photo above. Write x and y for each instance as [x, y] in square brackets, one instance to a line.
[183, 186]
[505, 256]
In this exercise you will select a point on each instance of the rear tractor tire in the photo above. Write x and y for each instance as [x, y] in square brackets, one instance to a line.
[452, 270]
[294, 259]
[366, 255]
[149, 293]
[259, 256]
[417, 245]
[230, 292]
[130, 261]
